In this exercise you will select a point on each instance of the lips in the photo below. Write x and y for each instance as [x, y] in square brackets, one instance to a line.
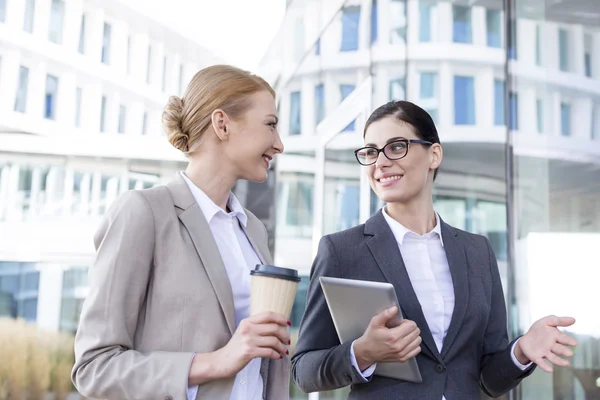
[386, 178]
[267, 159]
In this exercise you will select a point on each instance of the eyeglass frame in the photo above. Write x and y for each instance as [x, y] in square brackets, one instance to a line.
[382, 150]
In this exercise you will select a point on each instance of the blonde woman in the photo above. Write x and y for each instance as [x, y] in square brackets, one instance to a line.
[167, 315]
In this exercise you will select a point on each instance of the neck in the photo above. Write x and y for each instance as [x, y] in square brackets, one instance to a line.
[418, 216]
[212, 178]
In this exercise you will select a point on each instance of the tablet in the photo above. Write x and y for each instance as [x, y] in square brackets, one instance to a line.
[352, 304]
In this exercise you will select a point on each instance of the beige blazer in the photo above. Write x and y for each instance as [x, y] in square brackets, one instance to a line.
[159, 293]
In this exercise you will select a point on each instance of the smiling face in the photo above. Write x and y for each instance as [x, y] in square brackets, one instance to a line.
[407, 179]
[253, 139]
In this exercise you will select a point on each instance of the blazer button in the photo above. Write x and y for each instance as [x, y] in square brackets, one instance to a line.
[439, 368]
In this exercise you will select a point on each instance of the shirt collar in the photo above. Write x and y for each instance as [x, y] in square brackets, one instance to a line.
[210, 209]
[400, 230]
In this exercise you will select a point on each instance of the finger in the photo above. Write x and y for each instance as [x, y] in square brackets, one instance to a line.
[540, 362]
[273, 330]
[383, 317]
[406, 327]
[402, 342]
[567, 340]
[410, 347]
[269, 317]
[561, 350]
[553, 320]
[556, 360]
[270, 342]
[411, 354]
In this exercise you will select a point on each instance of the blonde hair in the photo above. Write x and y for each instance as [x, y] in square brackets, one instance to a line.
[217, 87]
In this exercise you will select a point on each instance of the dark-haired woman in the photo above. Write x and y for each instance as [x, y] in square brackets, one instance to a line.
[446, 280]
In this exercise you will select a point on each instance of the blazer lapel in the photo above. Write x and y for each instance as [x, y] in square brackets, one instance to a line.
[385, 250]
[457, 260]
[193, 219]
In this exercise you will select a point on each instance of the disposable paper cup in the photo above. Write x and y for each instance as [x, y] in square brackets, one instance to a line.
[273, 289]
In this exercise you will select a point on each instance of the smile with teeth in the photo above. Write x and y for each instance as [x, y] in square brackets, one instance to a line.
[390, 178]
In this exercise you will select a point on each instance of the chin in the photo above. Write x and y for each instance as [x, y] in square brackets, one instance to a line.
[258, 177]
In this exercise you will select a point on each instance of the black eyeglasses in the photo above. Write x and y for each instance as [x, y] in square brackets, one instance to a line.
[393, 151]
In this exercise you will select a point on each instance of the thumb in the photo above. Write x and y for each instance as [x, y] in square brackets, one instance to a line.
[561, 321]
[383, 317]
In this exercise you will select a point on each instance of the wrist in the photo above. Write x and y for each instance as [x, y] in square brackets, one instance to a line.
[362, 358]
[204, 369]
[519, 355]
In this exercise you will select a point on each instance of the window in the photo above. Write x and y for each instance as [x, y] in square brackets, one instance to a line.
[164, 74]
[57, 14]
[427, 85]
[513, 109]
[345, 91]
[78, 99]
[464, 100]
[563, 49]
[494, 28]
[50, 100]
[128, 55]
[432, 113]
[149, 65]
[295, 113]
[425, 7]
[539, 105]
[29, 13]
[180, 79]
[398, 21]
[397, 89]
[122, 118]
[374, 13]
[498, 102]
[538, 45]
[512, 39]
[21, 98]
[462, 24]
[588, 55]
[106, 39]
[319, 103]
[81, 45]
[318, 47]
[350, 21]
[2, 10]
[145, 123]
[103, 115]
[565, 119]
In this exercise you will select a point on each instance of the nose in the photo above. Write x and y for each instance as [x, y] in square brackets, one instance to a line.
[382, 161]
[278, 144]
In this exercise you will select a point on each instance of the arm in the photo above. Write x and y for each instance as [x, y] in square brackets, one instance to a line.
[106, 365]
[499, 373]
[320, 361]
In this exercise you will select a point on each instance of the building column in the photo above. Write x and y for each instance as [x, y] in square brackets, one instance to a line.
[139, 57]
[527, 106]
[484, 110]
[118, 46]
[441, 23]
[135, 118]
[72, 24]
[91, 104]
[577, 50]
[479, 26]
[41, 18]
[50, 297]
[15, 12]
[554, 101]
[4, 190]
[307, 105]
[94, 34]
[412, 27]
[596, 55]
[12, 211]
[581, 118]
[446, 96]
[9, 80]
[36, 90]
[66, 100]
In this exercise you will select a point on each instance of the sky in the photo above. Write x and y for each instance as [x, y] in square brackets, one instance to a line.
[238, 31]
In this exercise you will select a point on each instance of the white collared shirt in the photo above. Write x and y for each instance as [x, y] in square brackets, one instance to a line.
[427, 266]
[239, 257]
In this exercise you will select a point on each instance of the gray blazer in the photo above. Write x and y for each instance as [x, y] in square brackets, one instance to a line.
[476, 351]
[159, 293]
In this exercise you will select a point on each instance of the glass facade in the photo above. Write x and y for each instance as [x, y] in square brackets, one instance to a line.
[514, 88]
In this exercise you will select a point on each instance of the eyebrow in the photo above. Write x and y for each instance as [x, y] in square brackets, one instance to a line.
[388, 141]
[274, 116]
